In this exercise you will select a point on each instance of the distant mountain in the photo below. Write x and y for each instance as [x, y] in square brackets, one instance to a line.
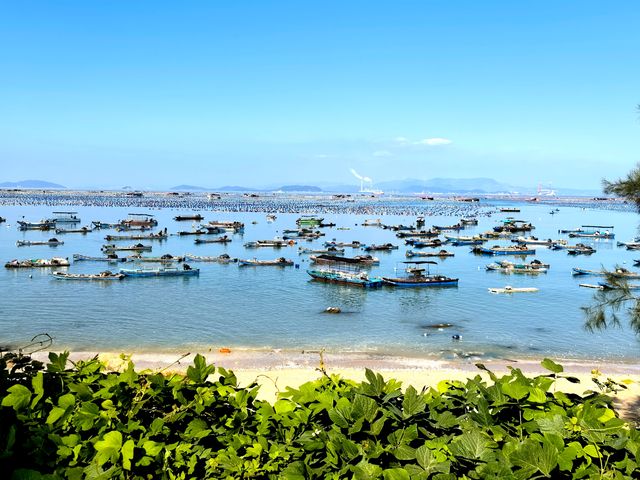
[446, 185]
[234, 188]
[190, 188]
[299, 188]
[32, 184]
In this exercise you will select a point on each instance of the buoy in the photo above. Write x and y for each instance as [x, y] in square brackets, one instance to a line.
[333, 310]
[225, 350]
[456, 337]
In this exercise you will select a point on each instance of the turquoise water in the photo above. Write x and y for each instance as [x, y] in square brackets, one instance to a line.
[270, 307]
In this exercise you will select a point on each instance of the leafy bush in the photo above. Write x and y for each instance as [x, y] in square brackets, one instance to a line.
[85, 422]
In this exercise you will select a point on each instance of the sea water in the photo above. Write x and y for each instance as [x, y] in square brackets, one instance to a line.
[274, 307]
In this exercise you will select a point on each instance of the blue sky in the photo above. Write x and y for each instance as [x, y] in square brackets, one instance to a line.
[154, 94]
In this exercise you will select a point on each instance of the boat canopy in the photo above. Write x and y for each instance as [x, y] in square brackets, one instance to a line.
[597, 226]
[422, 262]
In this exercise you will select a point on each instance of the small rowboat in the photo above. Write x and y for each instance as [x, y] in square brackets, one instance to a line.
[497, 250]
[98, 224]
[41, 225]
[202, 231]
[52, 242]
[151, 236]
[441, 253]
[109, 258]
[325, 251]
[186, 271]
[41, 262]
[508, 267]
[224, 258]
[269, 243]
[354, 244]
[278, 262]
[418, 278]
[509, 289]
[223, 239]
[422, 243]
[418, 233]
[359, 279]
[82, 230]
[163, 259]
[580, 249]
[102, 276]
[357, 260]
[385, 247]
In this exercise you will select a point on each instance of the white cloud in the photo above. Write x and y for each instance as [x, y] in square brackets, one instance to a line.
[433, 142]
[382, 153]
[401, 140]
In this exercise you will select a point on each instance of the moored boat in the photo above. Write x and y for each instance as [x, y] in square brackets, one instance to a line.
[534, 267]
[166, 258]
[131, 248]
[108, 258]
[223, 239]
[418, 233]
[182, 218]
[82, 230]
[618, 272]
[580, 249]
[327, 251]
[417, 243]
[384, 247]
[278, 262]
[419, 276]
[509, 289]
[162, 235]
[269, 243]
[185, 271]
[357, 260]
[345, 277]
[65, 217]
[309, 220]
[40, 262]
[498, 250]
[224, 258]
[41, 225]
[102, 276]
[52, 242]
[441, 253]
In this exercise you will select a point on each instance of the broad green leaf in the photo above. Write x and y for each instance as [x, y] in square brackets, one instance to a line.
[412, 404]
[537, 395]
[472, 445]
[57, 363]
[284, 406]
[552, 366]
[366, 471]
[551, 424]
[37, 383]
[54, 415]
[127, 454]
[18, 398]
[108, 448]
[592, 451]
[395, 474]
[516, 389]
[365, 407]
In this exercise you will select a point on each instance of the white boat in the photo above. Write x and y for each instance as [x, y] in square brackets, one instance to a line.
[509, 289]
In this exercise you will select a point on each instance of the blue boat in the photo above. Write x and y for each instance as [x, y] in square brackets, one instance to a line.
[186, 271]
[418, 278]
[346, 277]
[498, 250]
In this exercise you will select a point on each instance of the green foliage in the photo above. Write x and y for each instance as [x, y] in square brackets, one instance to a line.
[84, 422]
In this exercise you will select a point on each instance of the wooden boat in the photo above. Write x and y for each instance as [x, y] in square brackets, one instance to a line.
[150, 236]
[167, 258]
[328, 251]
[619, 272]
[271, 217]
[498, 250]
[41, 225]
[399, 228]
[514, 226]
[509, 289]
[269, 243]
[131, 248]
[102, 276]
[109, 258]
[418, 276]
[325, 225]
[40, 262]
[605, 234]
[224, 258]
[457, 226]
[441, 253]
[510, 210]
[52, 242]
[182, 218]
[201, 231]
[592, 231]
[303, 233]
[2, 219]
[384, 247]
[345, 277]
[65, 217]
[223, 239]
[354, 244]
[278, 262]
[469, 221]
[357, 260]
[185, 271]
[227, 226]
[144, 220]
[630, 245]
[436, 242]
[580, 249]
[82, 230]
[533, 241]
[534, 267]
[418, 233]
[98, 225]
[372, 223]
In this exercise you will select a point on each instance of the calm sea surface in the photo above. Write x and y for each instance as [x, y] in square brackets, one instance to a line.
[271, 307]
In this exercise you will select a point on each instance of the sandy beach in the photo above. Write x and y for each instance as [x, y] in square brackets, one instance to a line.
[275, 370]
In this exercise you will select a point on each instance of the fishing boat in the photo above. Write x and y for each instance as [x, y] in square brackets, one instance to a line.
[102, 276]
[619, 272]
[372, 223]
[41, 225]
[65, 217]
[533, 241]
[98, 225]
[224, 258]
[345, 277]
[201, 231]
[436, 242]
[183, 218]
[40, 262]
[635, 245]
[223, 239]
[418, 233]
[52, 242]
[131, 248]
[269, 243]
[227, 226]
[354, 244]
[498, 250]
[82, 230]
[271, 217]
[580, 249]
[309, 220]
[2, 219]
[513, 226]
[185, 271]
[302, 233]
[151, 236]
[509, 267]
[278, 262]
[109, 258]
[457, 226]
[418, 276]
[510, 210]
[327, 251]
[593, 231]
[166, 258]
[441, 253]
[357, 260]
[469, 221]
[384, 248]
[509, 289]
[143, 220]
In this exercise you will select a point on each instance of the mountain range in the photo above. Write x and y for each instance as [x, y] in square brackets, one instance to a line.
[32, 184]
